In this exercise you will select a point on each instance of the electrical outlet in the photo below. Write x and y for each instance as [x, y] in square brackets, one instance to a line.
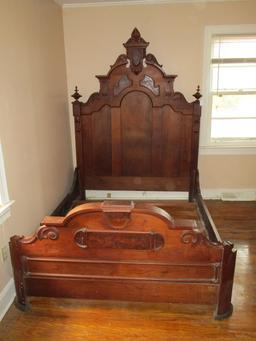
[4, 254]
[108, 195]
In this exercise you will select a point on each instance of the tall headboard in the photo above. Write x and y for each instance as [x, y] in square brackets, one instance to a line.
[136, 133]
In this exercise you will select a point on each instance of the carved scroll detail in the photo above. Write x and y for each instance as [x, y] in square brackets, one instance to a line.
[149, 83]
[123, 83]
[191, 237]
[151, 59]
[195, 238]
[44, 232]
[121, 60]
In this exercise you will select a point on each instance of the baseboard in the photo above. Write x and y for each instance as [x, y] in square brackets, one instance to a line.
[7, 296]
[230, 194]
[225, 194]
[135, 195]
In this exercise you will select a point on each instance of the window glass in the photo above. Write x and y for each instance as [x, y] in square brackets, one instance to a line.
[233, 128]
[234, 47]
[234, 77]
[233, 87]
[230, 106]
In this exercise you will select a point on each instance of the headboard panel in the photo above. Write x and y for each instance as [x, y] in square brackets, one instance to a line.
[136, 133]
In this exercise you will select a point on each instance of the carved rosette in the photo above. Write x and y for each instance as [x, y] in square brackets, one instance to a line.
[136, 51]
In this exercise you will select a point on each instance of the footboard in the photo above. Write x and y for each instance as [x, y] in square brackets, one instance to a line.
[123, 251]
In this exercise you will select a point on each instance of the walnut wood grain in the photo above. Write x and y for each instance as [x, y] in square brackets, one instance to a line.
[136, 133]
[169, 260]
[76, 319]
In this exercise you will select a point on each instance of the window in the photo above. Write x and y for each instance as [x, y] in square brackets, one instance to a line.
[230, 87]
[5, 202]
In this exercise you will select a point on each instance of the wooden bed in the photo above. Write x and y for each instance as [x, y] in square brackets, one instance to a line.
[136, 133]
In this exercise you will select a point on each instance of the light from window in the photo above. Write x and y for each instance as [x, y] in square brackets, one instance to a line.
[4, 197]
[233, 87]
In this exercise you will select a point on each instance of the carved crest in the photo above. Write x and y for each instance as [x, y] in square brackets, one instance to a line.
[136, 51]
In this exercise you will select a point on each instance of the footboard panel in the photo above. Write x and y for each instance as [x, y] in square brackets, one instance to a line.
[122, 289]
[120, 251]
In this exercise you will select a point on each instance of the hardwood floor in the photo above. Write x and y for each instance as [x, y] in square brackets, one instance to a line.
[58, 319]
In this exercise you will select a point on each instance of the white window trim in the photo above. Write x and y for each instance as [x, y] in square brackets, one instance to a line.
[206, 145]
[5, 202]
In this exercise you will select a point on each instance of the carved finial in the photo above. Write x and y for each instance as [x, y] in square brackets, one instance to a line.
[136, 34]
[136, 51]
[76, 95]
[197, 95]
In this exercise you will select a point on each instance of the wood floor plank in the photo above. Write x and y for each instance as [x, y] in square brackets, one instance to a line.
[77, 320]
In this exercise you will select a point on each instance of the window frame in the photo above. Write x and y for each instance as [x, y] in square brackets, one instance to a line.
[5, 202]
[219, 146]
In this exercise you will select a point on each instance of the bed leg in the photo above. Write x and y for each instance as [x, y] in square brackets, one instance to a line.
[224, 306]
[21, 300]
[20, 306]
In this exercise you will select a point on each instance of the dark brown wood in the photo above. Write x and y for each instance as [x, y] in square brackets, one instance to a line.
[166, 259]
[136, 128]
[73, 195]
[148, 183]
[136, 133]
[76, 319]
[101, 239]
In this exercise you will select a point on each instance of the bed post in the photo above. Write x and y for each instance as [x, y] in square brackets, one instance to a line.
[195, 144]
[224, 306]
[79, 149]
[21, 301]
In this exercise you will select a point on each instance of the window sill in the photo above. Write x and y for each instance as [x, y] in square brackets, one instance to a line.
[5, 211]
[227, 150]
